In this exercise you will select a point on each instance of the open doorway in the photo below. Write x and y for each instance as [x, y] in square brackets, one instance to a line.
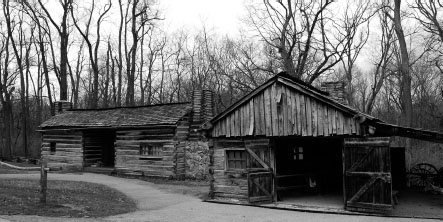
[98, 148]
[309, 172]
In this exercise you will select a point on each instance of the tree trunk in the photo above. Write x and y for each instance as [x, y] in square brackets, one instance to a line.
[120, 56]
[131, 76]
[142, 92]
[405, 85]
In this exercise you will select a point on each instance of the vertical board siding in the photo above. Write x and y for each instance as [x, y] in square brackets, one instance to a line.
[274, 115]
[268, 113]
[320, 119]
[303, 115]
[314, 117]
[282, 111]
[308, 104]
[262, 118]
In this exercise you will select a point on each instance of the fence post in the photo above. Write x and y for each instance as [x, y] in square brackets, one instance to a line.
[43, 182]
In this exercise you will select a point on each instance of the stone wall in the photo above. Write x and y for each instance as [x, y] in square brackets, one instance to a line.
[196, 159]
[336, 90]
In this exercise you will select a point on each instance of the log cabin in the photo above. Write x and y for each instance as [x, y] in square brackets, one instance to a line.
[155, 140]
[287, 138]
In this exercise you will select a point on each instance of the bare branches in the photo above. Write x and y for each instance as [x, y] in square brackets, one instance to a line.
[302, 31]
[429, 16]
[93, 51]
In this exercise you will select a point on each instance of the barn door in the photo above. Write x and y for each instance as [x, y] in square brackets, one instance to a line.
[367, 174]
[259, 175]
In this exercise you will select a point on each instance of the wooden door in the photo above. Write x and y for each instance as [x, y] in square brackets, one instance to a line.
[367, 174]
[260, 176]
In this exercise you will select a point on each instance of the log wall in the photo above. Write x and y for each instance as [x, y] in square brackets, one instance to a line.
[230, 184]
[181, 136]
[68, 153]
[127, 151]
[282, 111]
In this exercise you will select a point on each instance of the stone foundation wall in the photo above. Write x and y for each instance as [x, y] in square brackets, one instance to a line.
[196, 159]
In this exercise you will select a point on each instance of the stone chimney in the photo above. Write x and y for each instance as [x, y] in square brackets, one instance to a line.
[208, 105]
[61, 106]
[202, 110]
[336, 91]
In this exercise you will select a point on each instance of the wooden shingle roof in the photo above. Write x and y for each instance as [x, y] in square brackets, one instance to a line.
[162, 114]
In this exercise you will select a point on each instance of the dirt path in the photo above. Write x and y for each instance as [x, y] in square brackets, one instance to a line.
[157, 205]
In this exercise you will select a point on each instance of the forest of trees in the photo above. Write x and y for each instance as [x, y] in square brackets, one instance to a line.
[112, 53]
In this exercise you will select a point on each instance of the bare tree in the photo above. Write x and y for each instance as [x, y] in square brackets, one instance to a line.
[120, 54]
[142, 14]
[354, 17]
[383, 63]
[405, 83]
[153, 52]
[302, 33]
[63, 32]
[41, 41]
[7, 82]
[19, 60]
[429, 16]
[93, 50]
[75, 75]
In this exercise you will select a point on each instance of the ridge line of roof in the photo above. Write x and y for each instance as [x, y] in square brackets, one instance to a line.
[131, 107]
[286, 75]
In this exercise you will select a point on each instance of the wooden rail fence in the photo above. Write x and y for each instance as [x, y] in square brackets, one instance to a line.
[43, 177]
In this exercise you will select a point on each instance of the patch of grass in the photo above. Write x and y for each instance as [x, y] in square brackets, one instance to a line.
[65, 199]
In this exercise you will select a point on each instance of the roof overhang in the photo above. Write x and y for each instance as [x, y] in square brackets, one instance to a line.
[386, 129]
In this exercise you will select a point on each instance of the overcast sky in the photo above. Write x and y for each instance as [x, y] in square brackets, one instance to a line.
[222, 15]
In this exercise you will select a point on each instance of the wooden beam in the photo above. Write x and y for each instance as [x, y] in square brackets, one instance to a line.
[257, 158]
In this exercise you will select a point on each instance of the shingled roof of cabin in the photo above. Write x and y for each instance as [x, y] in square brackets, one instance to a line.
[162, 114]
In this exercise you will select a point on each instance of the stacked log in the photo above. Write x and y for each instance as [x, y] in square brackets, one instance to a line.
[203, 111]
[208, 105]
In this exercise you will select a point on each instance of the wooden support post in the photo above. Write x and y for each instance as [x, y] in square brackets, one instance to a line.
[43, 182]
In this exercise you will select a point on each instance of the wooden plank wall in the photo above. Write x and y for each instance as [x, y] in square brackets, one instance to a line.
[282, 111]
[228, 184]
[69, 151]
[231, 184]
[129, 160]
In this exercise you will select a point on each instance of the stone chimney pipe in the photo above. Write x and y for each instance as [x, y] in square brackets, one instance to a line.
[336, 91]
